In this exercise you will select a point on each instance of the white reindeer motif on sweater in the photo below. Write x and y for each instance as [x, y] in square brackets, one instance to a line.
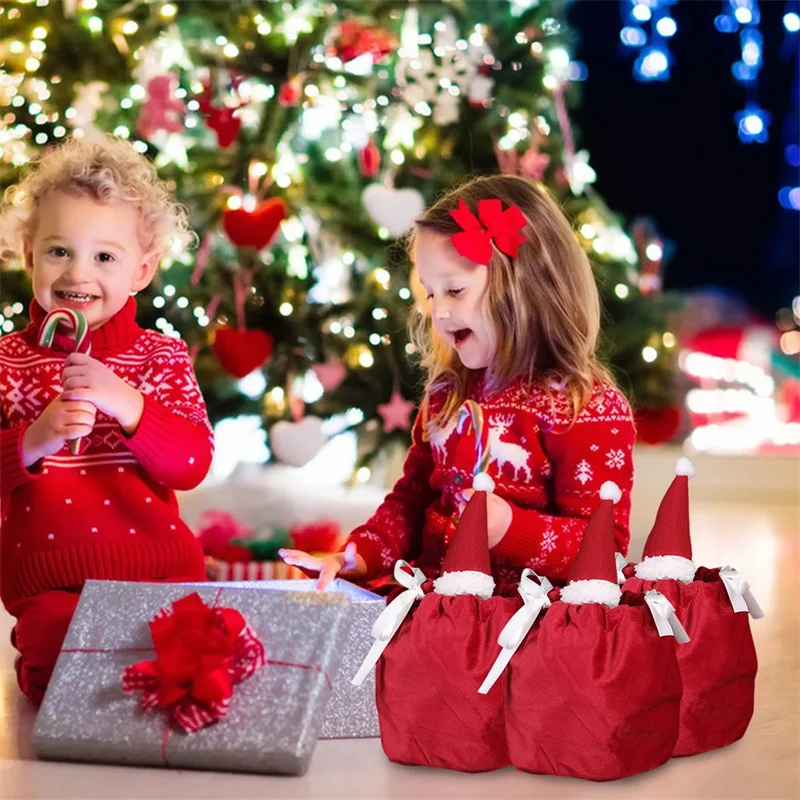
[439, 437]
[502, 453]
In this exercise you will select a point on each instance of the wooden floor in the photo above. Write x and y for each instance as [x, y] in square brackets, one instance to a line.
[758, 536]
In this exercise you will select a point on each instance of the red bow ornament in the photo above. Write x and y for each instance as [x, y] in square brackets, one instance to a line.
[495, 226]
[201, 654]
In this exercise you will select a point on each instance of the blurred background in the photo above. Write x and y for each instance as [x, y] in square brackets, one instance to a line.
[305, 137]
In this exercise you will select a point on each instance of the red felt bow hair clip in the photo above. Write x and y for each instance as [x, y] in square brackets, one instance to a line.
[492, 226]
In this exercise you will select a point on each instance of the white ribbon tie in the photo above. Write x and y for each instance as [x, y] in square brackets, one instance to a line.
[534, 597]
[392, 616]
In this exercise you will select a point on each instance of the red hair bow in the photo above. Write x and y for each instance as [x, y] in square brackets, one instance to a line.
[495, 226]
[201, 654]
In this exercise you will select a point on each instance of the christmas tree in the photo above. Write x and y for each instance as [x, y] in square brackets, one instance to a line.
[305, 138]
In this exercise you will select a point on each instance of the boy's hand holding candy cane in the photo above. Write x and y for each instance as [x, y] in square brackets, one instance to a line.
[61, 422]
[88, 386]
[86, 379]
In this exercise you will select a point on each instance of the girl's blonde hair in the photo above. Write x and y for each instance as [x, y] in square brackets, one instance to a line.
[544, 303]
[104, 168]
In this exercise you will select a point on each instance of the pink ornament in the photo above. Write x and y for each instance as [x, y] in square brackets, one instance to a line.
[330, 374]
[162, 111]
[533, 163]
[396, 414]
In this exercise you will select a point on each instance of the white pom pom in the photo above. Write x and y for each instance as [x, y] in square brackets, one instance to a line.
[610, 491]
[684, 467]
[483, 482]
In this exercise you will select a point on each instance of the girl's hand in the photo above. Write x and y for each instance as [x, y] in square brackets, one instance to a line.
[499, 514]
[347, 564]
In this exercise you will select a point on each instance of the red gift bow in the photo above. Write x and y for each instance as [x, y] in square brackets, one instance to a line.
[201, 654]
[498, 227]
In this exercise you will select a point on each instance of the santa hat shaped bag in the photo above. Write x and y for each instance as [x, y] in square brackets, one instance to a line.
[428, 676]
[718, 666]
[595, 694]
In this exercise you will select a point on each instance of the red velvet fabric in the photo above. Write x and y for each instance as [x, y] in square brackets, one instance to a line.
[718, 666]
[427, 685]
[593, 692]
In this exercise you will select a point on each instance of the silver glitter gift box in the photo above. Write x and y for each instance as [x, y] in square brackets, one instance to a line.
[351, 712]
[275, 715]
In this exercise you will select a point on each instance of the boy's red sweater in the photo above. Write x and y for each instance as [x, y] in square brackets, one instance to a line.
[109, 512]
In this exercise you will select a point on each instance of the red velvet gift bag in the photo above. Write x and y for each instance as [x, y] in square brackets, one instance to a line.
[427, 685]
[718, 666]
[593, 693]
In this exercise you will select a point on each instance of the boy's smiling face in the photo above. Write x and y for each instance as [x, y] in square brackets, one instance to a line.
[87, 255]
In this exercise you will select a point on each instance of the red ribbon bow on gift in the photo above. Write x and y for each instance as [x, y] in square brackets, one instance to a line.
[495, 226]
[201, 654]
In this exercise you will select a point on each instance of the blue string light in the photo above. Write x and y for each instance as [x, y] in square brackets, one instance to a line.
[743, 16]
[789, 196]
[654, 58]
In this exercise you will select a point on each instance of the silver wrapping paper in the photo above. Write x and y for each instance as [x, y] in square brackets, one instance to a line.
[273, 723]
[351, 712]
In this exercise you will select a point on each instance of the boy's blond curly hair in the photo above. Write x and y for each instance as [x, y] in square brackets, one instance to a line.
[107, 169]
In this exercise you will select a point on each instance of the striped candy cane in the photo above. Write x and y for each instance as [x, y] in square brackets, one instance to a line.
[79, 328]
[481, 481]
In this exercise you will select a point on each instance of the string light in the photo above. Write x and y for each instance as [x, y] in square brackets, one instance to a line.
[654, 58]
[744, 16]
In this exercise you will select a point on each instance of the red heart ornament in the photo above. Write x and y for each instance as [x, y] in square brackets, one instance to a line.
[254, 228]
[240, 352]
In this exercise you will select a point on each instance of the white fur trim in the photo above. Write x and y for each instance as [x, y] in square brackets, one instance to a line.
[655, 568]
[684, 467]
[610, 491]
[483, 482]
[592, 591]
[468, 581]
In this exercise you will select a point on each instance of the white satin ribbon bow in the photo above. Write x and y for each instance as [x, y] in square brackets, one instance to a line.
[534, 597]
[667, 623]
[622, 562]
[739, 592]
[392, 616]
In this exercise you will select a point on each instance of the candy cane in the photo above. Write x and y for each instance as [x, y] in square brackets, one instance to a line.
[77, 324]
[73, 320]
[481, 480]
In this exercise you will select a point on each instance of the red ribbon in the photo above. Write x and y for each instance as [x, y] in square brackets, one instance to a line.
[201, 654]
[495, 227]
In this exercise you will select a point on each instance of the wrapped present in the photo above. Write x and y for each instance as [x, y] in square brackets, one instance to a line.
[235, 552]
[265, 714]
[718, 665]
[224, 571]
[351, 711]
